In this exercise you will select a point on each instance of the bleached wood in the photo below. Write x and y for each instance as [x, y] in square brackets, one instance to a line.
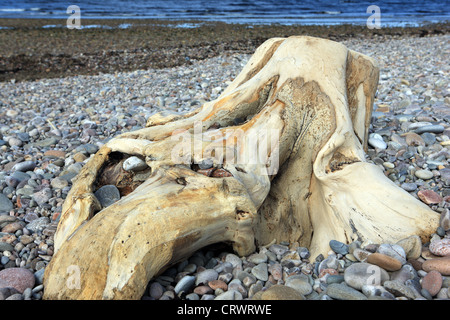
[316, 97]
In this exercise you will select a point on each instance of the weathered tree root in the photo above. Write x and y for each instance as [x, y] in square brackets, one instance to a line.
[304, 104]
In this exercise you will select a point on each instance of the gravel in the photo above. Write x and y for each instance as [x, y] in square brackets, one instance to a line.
[51, 127]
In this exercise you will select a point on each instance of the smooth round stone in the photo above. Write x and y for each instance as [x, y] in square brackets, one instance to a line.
[107, 195]
[24, 166]
[202, 290]
[432, 282]
[335, 278]
[43, 196]
[184, 284]
[361, 273]
[413, 139]
[440, 247]
[302, 286]
[234, 260]
[377, 142]
[5, 204]
[18, 278]
[339, 247]
[230, 295]
[192, 296]
[206, 276]
[399, 289]
[280, 292]
[257, 258]
[12, 227]
[384, 261]
[303, 252]
[59, 183]
[260, 271]
[156, 290]
[341, 291]
[388, 165]
[5, 246]
[393, 250]
[409, 186]
[134, 164]
[436, 128]
[218, 284]
[15, 142]
[429, 197]
[424, 174]
[412, 246]
[428, 138]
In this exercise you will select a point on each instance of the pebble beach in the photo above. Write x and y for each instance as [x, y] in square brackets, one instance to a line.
[51, 126]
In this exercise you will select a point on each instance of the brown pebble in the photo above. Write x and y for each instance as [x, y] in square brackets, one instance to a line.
[432, 282]
[55, 153]
[413, 139]
[384, 261]
[218, 284]
[416, 264]
[219, 173]
[12, 227]
[439, 264]
[279, 292]
[201, 290]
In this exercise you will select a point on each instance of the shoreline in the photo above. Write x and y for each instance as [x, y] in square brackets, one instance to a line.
[29, 52]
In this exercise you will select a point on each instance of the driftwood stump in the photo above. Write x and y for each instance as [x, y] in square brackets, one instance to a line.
[278, 156]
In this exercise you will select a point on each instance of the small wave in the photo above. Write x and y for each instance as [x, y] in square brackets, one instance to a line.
[12, 10]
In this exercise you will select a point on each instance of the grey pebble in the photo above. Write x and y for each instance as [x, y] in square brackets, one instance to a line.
[230, 295]
[185, 284]
[107, 195]
[398, 289]
[430, 128]
[260, 271]
[206, 276]
[134, 164]
[341, 291]
[5, 203]
[24, 166]
[339, 247]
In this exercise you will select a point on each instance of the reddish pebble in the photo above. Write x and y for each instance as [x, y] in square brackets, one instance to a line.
[206, 172]
[429, 196]
[432, 282]
[219, 173]
[218, 284]
[18, 278]
[440, 247]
